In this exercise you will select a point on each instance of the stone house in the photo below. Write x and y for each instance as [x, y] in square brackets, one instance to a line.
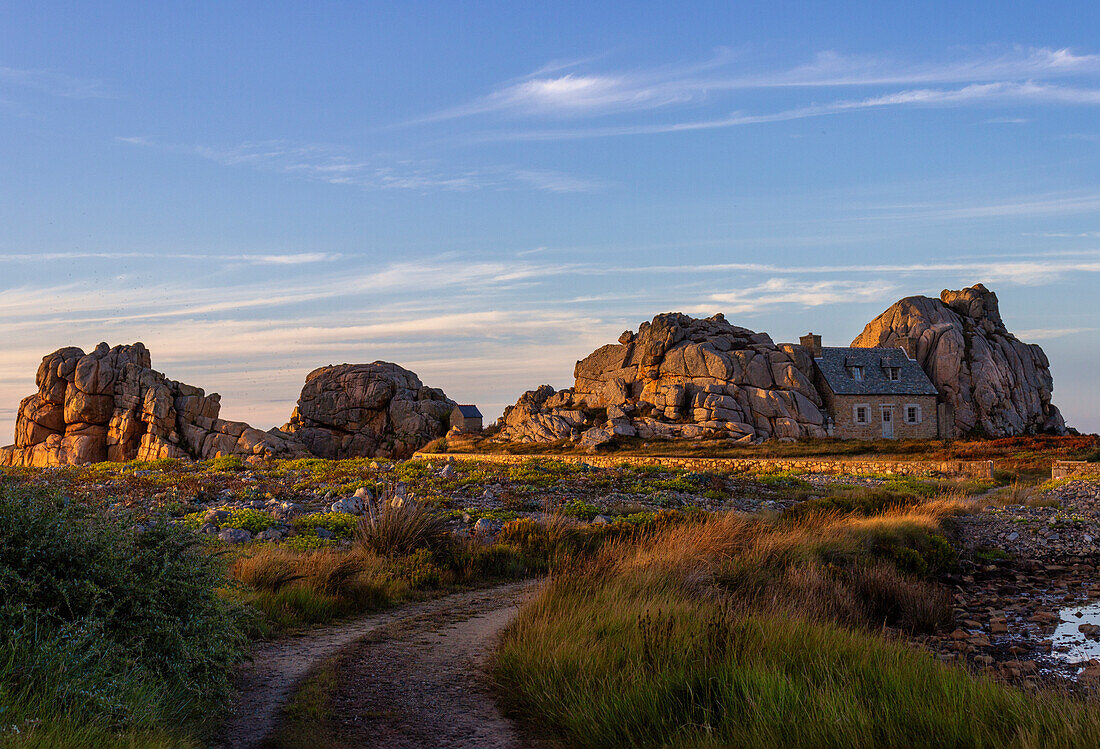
[466, 418]
[874, 393]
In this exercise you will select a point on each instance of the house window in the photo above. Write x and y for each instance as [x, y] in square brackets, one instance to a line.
[893, 373]
[861, 414]
[912, 414]
[856, 373]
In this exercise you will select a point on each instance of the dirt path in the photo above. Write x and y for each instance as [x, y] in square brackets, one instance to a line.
[415, 670]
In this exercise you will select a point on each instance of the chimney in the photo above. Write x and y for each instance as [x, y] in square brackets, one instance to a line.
[908, 344]
[812, 343]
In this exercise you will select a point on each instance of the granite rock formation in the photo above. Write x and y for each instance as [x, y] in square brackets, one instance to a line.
[677, 377]
[368, 410]
[997, 385]
[111, 405]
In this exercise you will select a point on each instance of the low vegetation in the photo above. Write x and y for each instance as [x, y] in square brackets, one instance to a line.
[1027, 456]
[108, 636]
[767, 631]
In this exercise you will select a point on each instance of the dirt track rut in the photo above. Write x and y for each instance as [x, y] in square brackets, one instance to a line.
[411, 676]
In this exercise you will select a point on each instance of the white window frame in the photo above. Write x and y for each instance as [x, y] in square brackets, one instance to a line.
[920, 416]
[856, 372]
[893, 374]
[855, 413]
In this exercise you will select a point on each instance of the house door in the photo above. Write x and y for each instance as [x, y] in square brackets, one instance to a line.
[888, 422]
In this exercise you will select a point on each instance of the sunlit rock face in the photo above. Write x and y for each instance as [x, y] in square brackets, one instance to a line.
[368, 410]
[997, 385]
[677, 377]
[110, 404]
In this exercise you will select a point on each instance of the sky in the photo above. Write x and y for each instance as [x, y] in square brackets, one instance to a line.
[486, 192]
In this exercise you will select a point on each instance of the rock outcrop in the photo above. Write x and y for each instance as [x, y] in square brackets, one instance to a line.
[368, 410]
[111, 405]
[997, 385]
[677, 376]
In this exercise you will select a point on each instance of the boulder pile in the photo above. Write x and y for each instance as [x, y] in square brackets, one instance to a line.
[997, 385]
[111, 405]
[677, 377]
[377, 410]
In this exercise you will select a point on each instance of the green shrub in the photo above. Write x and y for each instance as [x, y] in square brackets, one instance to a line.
[104, 626]
[343, 524]
[419, 569]
[857, 501]
[579, 509]
[306, 543]
[253, 521]
[227, 463]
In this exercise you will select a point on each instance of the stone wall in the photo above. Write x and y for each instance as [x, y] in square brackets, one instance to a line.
[846, 427]
[1064, 469]
[976, 469]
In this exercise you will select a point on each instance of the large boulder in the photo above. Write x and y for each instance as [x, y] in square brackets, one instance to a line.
[677, 377]
[997, 385]
[111, 405]
[368, 410]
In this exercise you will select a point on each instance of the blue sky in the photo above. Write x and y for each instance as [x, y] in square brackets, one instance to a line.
[486, 192]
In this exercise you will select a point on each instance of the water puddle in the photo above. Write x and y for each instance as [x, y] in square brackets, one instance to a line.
[1071, 644]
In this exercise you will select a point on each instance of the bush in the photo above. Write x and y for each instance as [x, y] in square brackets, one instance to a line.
[343, 524]
[579, 509]
[105, 626]
[419, 569]
[227, 463]
[858, 501]
[253, 521]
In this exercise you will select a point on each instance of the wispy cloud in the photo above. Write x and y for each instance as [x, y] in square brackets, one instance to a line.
[55, 83]
[1047, 334]
[338, 166]
[578, 94]
[923, 97]
[785, 291]
[294, 258]
[1016, 75]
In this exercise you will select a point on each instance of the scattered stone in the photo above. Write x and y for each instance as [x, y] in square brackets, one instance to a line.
[485, 527]
[235, 535]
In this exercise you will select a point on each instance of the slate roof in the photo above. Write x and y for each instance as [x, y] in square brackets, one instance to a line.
[835, 360]
[469, 411]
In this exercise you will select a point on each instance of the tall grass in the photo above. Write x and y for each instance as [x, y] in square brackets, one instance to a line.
[394, 527]
[294, 589]
[761, 633]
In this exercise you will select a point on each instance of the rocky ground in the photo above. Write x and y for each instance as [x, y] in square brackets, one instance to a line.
[1025, 597]
[317, 502]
